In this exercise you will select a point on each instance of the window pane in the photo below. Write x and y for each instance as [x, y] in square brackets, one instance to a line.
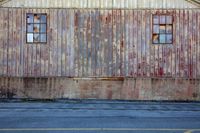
[43, 19]
[169, 38]
[36, 18]
[36, 38]
[43, 37]
[43, 28]
[36, 28]
[155, 38]
[162, 19]
[162, 38]
[162, 29]
[169, 28]
[169, 19]
[30, 28]
[29, 18]
[29, 37]
[155, 19]
[156, 29]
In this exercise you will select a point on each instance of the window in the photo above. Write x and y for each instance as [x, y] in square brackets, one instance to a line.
[162, 29]
[36, 28]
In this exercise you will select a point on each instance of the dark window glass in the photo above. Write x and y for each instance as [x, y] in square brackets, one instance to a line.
[36, 28]
[36, 18]
[29, 18]
[30, 27]
[30, 37]
[43, 28]
[43, 19]
[156, 38]
[162, 19]
[162, 29]
[43, 37]
[169, 29]
[36, 38]
[162, 38]
[169, 19]
[169, 38]
[156, 29]
[156, 19]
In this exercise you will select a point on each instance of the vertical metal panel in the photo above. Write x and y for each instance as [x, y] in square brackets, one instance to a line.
[76, 55]
[18, 39]
[122, 44]
[173, 67]
[80, 42]
[10, 44]
[143, 43]
[89, 50]
[190, 46]
[50, 41]
[93, 49]
[71, 43]
[53, 42]
[198, 42]
[35, 56]
[176, 41]
[25, 49]
[114, 49]
[4, 41]
[97, 43]
[59, 43]
[55, 59]
[65, 45]
[131, 43]
[110, 37]
[1, 44]
[148, 41]
[117, 42]
[45, 49]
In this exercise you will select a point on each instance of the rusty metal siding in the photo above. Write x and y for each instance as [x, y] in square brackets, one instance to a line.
[103, 4]
[99, 43]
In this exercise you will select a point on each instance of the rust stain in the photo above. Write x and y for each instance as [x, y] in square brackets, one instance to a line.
[161, 72]
[122, 44]
[109, 94]
[76, 19]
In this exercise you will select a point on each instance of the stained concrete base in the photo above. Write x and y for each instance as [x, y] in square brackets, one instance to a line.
[101, 88]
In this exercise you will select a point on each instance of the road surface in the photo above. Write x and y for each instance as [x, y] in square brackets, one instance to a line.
[92, 116]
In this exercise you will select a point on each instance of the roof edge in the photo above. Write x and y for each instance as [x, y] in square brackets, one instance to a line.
[2, 2]
[192, 3]
[195, 2]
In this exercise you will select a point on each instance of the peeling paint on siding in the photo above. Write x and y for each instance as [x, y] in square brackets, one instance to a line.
[99, 43]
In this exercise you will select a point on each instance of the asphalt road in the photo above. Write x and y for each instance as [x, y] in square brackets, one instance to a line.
[92, 116]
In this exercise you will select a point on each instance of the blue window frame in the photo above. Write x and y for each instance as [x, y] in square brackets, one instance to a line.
[162, 29]
[36, 28]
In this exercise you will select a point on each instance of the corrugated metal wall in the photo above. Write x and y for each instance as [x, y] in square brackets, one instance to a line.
[130, 4]
[99, 43]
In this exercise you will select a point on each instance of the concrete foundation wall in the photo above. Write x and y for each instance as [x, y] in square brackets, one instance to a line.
[101, 88]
